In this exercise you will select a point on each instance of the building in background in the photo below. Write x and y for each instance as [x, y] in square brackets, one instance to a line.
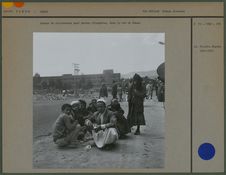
[69, 81]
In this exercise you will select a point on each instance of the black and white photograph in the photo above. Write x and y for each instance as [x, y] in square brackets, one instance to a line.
[98, 100]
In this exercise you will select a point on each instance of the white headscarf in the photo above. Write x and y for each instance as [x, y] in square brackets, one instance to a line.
[101, 100]
[75, 102]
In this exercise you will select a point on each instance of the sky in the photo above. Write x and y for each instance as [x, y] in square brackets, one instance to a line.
[55, 53]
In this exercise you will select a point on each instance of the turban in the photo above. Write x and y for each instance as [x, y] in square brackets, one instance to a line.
[101, 100]
[75, 102]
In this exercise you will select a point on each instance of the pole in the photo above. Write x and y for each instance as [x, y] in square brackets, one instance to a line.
[76, 72]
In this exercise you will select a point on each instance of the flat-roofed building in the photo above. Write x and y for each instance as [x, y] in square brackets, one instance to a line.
[72, 81]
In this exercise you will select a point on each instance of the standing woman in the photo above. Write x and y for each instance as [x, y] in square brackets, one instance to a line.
[136, 97]
[103, 91]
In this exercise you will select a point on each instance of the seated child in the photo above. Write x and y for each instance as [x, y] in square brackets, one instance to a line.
[66, 129]
[122, 123]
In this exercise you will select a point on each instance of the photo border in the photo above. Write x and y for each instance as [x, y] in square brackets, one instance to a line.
[99, 1]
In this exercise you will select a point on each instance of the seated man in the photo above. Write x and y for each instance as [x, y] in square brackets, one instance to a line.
[77, 115]
[66, 129]
[75, 105]
[122, 123]
[83, 112]
[103, 122]
[92, 106]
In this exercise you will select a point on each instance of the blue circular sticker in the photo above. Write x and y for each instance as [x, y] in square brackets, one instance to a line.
[206, 151]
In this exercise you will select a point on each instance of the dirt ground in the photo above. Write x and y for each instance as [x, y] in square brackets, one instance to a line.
[134, 151]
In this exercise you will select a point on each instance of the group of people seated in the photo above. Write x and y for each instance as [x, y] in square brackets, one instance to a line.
[106, 124]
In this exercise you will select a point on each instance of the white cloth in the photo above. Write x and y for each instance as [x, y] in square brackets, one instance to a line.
[75, 102]
[101, 118]
[104, 137]
[101, 100]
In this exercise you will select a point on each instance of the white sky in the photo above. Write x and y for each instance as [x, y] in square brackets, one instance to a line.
[54, 53]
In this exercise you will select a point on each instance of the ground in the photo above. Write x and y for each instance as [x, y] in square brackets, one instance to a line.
[134, 151]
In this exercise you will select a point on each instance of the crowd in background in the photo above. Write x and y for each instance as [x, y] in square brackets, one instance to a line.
[103, 123]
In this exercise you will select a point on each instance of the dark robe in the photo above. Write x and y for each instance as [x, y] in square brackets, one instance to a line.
[77, 116]
[136, 106]
[91, 108]
[114, 90]
[122, 123]
[103, 92]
